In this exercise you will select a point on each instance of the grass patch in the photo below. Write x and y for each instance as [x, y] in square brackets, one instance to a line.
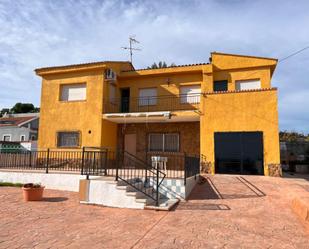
[9, 184]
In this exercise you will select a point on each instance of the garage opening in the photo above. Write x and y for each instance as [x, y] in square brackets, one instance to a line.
[239, 153]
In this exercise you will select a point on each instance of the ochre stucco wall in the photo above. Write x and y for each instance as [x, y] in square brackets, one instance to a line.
[242, 111]
[82, 116]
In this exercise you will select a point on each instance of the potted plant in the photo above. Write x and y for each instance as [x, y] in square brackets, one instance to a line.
[33, 192]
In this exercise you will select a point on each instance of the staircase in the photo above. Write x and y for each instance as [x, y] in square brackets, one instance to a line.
[137, 184]
[143, 198]
[106, 191]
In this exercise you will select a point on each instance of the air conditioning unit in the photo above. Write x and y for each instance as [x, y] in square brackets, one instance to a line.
[110, 74]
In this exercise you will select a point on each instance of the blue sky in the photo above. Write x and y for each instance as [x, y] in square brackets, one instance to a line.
[47, 33]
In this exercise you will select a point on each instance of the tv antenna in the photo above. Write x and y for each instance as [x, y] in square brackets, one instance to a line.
[132, 40]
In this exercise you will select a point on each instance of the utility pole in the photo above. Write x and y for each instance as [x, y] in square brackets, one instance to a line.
[132, 40]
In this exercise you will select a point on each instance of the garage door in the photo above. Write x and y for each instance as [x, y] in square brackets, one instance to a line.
[239, 153]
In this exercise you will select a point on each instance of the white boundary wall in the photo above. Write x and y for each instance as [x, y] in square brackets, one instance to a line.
[57, 181]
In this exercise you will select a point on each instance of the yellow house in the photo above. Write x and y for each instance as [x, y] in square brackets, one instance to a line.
[224, 110]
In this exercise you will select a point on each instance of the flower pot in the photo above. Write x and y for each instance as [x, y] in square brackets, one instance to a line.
[33, 194]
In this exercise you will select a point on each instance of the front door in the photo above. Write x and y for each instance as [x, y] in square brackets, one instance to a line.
[125, 100]
[130, 143]
[239, 153]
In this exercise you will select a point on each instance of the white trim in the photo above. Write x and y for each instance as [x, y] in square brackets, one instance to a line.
[5, 135]
[163, 140]
[28, 121]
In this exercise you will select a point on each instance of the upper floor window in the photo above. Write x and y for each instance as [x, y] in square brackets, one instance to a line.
[73, 92]
[147, 96]
[6, 138]
[190, 94]
[248, 84]
[68, 139]
[22, 138]
[220, 86]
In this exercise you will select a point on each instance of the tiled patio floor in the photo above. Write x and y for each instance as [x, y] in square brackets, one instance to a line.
[224, 212]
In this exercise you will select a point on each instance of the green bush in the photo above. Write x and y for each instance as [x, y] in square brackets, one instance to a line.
[9, 184]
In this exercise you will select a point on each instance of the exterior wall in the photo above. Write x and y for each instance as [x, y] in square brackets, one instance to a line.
[83, 116]
[167, 85]
[242, 111]
[15, 133]
[189, 135]
[68, 182]
[244, 74]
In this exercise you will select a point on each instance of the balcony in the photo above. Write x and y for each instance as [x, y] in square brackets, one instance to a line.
[152, 109]
[153, 104]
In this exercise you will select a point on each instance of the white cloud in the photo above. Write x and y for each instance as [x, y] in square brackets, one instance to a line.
[47, 33]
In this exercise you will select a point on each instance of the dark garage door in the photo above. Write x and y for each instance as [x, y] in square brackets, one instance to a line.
[239, 153]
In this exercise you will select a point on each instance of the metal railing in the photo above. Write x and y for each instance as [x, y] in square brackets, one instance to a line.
[85, 161]
[140, 175]
[152, 104]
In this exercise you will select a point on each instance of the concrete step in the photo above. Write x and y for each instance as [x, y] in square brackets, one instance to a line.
[164, 205]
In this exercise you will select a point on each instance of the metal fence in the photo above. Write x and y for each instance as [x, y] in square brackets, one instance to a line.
[97, 161]
[84, 161]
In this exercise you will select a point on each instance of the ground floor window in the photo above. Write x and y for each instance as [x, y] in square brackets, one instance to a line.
[68, 139]
[163, 142]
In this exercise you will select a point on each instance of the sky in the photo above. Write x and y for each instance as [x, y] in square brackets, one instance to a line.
[36, 34]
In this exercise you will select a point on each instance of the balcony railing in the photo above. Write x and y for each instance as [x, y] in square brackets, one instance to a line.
[180, 102]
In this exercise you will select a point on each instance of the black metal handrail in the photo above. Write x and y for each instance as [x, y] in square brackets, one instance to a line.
[153, 103]
[139, 175]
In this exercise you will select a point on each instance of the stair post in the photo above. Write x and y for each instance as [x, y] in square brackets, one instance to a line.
[157, 194]
[117, 164]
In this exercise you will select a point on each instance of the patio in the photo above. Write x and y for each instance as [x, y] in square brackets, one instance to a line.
[224, 212]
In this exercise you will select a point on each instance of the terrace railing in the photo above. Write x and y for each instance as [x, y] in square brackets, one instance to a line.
[85, 161]
[180, 102]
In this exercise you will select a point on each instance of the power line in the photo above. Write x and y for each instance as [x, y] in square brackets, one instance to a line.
[291, 55]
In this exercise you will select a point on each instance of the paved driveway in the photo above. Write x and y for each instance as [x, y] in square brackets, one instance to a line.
[224, 212]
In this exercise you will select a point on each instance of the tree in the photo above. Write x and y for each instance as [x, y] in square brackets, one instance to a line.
[20, 108]
[161, 64]
[4, 111]
[292, 136]
[23, 108]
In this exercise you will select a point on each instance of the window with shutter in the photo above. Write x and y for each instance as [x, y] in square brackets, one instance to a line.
[73, 92]
[247, 84]
[190, 94]
[147, 96]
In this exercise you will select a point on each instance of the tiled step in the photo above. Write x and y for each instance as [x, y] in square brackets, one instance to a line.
[164, 205]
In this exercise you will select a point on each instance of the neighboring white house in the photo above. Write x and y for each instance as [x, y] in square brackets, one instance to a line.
[19, 127]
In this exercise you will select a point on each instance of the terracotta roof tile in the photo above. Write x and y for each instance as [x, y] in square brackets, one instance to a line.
[14, 121]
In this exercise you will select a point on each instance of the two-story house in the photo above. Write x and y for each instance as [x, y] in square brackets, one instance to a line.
[225, 110]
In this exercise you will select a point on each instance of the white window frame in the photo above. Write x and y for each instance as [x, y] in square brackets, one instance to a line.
[192, 95]
[7, 135]
[147, 100]
[68, 146]
[163, 141]
[252, 84]
[24, 136]
[66, 98]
